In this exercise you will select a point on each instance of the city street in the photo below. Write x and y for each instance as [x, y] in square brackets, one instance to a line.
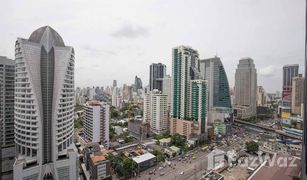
[181, 170]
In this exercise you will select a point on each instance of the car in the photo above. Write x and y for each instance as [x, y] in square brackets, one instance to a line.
[181, 172]
[162, 173]
[160, 168]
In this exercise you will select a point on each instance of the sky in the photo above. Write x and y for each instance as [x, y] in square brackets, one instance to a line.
[119, 39]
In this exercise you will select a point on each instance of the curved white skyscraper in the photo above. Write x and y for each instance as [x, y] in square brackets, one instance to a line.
[44, 107]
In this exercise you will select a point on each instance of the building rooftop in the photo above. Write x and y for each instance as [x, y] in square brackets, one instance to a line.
[174, 148]
[98, 158]
[165, 140]
[93, 103]
[144, 157]
[275, 172]
[46, 33]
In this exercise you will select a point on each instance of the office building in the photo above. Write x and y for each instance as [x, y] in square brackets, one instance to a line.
[44, 107]
[138, 129]
[297, 94]
[138, 83]
[7, 146]
[114, 83]
[245, 89]
[116, 98]
[261, 96]
[97, 165]
[219, 101]
[185, 68]
[156, 112]
[156, 74]
[289, 72]
[304, 152]
[167, 90]
[96, 118]
[199, 104]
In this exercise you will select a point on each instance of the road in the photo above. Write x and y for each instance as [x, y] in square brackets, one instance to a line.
[192, 168]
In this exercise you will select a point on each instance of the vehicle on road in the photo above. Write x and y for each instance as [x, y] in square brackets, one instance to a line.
[181, 173]
[162, 173]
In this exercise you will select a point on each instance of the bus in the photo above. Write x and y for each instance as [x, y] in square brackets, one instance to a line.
[205, 149]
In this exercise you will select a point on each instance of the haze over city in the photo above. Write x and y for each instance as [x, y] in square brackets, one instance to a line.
[120, 39]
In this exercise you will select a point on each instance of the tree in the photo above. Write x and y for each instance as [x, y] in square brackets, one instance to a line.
[160, 155]
[129, 165]
[78, 123]
[186, 147]
[178, 140]
[252, 146]
[295, 178]
[114, 112]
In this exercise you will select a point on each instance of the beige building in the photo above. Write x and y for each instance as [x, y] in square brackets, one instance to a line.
[297, 94]
[261, 96]
[183, 127]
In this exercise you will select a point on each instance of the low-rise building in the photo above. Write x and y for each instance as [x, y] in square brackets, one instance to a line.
[138, 129]
[213, 176]
[172, 151]
[145, 161]
[165, 142]
[96, 164]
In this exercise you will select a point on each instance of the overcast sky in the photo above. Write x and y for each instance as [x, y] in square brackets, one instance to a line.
[120, 39]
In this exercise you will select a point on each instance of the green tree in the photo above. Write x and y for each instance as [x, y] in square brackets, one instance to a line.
[160, 155]
[114, 112]
[78, 123]
[129, 166]
[186, 148]
[295, 178]
[178, 140]
[252, 146]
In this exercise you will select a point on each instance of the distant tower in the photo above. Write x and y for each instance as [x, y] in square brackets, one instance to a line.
[7, 145]
[245, 89]
[44, 107]
[297, 94]
[114, 83]
[156, 74]
[219, 101]
[167, 90]
[289, 72]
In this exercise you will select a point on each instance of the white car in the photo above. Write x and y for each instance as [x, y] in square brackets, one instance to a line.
[181, 172]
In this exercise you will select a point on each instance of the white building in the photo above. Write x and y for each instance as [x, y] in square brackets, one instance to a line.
[156, 111]
[245, 89]
[261, 96]
[7, 144]
[44, 107]
[167, 89]
[96, 122]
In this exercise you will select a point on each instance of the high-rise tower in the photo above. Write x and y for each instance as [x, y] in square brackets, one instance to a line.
[245, 89]
[185, 69]
[44, 107]
[219, 103]
[289, 72]
[7, 144]
[156, 74]
[297, 94]
[96, 122]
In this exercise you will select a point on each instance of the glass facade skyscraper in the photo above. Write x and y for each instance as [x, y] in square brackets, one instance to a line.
[156, 75]
[213, 71]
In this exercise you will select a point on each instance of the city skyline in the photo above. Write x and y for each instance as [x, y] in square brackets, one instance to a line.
[273, 35]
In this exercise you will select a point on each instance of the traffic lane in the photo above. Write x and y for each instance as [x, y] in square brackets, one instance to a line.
[200, 163]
